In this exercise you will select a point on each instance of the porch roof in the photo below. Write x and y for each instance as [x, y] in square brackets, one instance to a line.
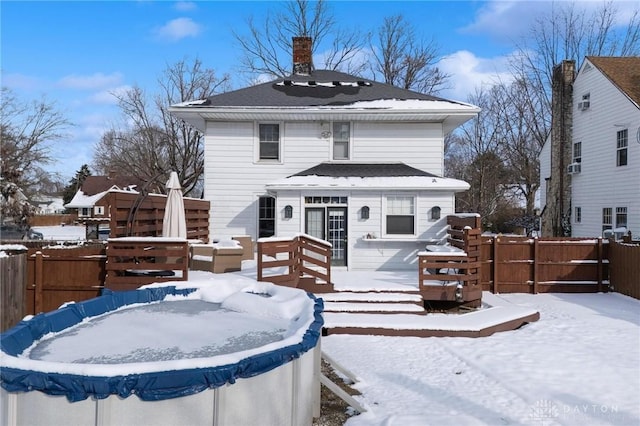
[367, 176]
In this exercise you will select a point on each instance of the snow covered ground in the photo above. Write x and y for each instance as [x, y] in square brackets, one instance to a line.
[578, 365]
[62, 233]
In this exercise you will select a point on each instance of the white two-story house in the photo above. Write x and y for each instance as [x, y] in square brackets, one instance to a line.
[352, 161]
[603, 167]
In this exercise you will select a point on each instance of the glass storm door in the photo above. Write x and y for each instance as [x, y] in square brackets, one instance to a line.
[337, 231]
[329, 224]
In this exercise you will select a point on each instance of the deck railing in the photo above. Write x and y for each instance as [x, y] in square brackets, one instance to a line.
[456, 273]
[286, 261]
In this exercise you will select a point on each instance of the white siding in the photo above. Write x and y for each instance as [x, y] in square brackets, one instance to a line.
[601, 183]
[417, 144]
[383, 253]
[234, 180]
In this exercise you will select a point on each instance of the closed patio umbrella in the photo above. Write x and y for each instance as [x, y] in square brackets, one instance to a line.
[174, 223]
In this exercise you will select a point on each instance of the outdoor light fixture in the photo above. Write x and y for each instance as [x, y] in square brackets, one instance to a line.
[435, 213]
[288, 212]
[364, 212]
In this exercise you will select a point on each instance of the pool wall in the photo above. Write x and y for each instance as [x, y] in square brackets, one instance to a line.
[278, 387]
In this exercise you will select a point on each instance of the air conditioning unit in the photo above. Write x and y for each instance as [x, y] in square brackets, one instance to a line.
[584, 105]
[574, 168]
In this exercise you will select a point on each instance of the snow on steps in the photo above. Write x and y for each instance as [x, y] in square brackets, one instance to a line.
[496, 315]
[373, 302]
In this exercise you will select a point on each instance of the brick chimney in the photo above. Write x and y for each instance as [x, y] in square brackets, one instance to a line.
[302, 64]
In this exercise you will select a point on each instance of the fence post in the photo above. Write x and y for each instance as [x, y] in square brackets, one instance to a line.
[38, 282]
[496, 240]
[535, 265]
[259, 256]
[600, 253]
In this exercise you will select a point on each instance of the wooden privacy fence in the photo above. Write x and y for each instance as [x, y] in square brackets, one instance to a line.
[294, 259]
[59, 275]
[12, 289]
[134, 214]
[136, 261]
[624, 267]
[512, 264]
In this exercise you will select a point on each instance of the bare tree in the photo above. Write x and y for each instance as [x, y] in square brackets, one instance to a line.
[570, 32]
[404, 60]
[267, 48]
[154, 143]
[27, 130]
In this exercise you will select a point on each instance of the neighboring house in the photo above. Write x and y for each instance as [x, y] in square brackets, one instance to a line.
[84, 202]
[352, 161]
[602, 159]
[48, 204]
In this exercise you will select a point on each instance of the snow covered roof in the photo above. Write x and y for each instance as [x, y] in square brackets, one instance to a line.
[367, 176]
[325, 95]
[82, 200]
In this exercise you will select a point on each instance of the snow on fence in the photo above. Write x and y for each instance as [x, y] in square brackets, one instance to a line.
[624, 266]
[513, 264]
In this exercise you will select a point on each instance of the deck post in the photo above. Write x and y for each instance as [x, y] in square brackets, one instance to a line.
[536, 249]
[496, 241]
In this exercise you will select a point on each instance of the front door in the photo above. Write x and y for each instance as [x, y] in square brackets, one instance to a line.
[330, 224]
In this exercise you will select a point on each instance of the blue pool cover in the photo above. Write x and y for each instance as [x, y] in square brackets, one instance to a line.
[147, 386]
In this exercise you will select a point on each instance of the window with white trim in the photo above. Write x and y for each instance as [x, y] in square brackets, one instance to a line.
[269, 141]
[400, 217]
[607, 218]
[266, 217]
[621, 217]
[622, 142]
[577, 216]
[577, 152]
[341, 137]
[98, 210]
[84, 211]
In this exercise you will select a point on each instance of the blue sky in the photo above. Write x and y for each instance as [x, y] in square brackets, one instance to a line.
[77, 53]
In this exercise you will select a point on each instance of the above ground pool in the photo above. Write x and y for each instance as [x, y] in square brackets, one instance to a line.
[224, 350]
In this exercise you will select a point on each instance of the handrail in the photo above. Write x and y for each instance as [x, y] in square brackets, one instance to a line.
[305, 256]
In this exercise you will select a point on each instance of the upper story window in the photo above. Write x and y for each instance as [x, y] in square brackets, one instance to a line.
[341, 136]
[269, 134]
[622, 141]
[577, 217]
[400, 216]
[84, 211]
[577, 152]
[98, 210]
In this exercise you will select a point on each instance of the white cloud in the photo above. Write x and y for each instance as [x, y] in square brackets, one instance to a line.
[21, 81]
[507, 20]
[178, 29]
[88, 82]
[469, 72]
[108, 96]
[185, 6]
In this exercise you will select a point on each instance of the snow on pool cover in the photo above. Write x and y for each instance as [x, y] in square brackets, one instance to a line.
[160, 342]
